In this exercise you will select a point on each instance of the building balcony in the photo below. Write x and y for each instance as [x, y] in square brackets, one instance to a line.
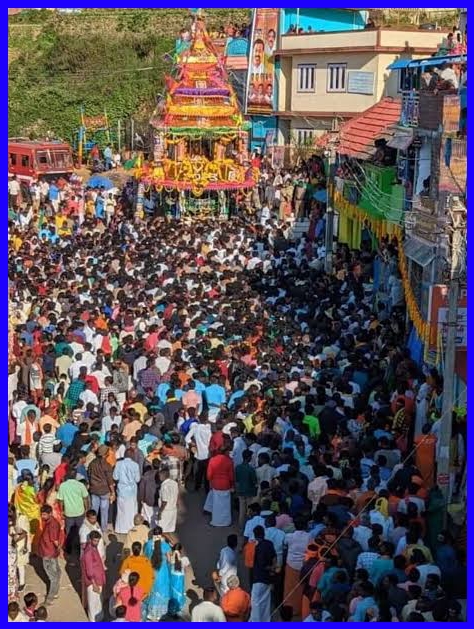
[441, 109]
[430, 111]
[378, 40]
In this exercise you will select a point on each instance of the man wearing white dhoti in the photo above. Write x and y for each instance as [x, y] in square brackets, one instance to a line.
[127, 475]
[93, 577]
[168, 505]
[265, 564]
[220, 474]
[227, 564]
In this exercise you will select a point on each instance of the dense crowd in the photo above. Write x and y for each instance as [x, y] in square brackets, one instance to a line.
[149, 358]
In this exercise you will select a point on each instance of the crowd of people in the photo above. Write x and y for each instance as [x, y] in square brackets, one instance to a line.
[155, 359]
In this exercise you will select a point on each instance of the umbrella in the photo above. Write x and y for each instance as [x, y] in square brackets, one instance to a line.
[97, 181]
[321, 196]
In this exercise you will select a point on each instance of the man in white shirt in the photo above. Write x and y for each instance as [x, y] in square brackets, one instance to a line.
[88, 357]
[276, 537]
[90, 524]
[264, 214]
[258, 66]
[318, 487]
[88, 396]
[363, 532]
[139, 364]
[255, 520]
[75, 368]
[200, 433]
[448, 75]
[227, 564]
[239, 445]
[14, 192]
[208, 610]
[163, 362]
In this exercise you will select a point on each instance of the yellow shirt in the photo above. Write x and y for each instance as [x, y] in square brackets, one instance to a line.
[140, 409]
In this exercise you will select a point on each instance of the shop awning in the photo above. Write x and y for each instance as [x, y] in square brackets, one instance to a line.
[419, 252]
[437, 62]
[401, 142]
[399, 64]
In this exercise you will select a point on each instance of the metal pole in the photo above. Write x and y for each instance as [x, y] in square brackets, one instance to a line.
[132, 133]
[330, 213]
[443, 479]
[119, 139]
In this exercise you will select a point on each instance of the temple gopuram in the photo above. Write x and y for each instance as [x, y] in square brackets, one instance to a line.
[200, 152]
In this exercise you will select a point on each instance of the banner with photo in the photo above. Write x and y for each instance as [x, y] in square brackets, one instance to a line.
[261, 72]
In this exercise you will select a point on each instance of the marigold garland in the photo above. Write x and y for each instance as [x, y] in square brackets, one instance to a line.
[380, 227]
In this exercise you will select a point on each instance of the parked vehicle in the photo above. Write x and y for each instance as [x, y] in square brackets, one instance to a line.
[30, 159]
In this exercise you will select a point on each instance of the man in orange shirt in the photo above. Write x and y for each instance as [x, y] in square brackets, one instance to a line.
[236, 602]
[425, 455]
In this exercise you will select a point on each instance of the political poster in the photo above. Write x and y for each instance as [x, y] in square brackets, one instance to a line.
[261, 71]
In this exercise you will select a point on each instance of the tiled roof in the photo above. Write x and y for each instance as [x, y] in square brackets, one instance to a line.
[357, 136]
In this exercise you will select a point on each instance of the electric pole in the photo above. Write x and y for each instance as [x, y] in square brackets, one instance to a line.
[330, 210]
[458, 217]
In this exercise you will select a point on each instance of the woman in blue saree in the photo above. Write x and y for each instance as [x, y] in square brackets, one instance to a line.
[158, 552]
[178, 586]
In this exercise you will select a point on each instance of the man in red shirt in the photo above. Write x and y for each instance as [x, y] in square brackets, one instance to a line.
[48, 550]
[220, 474]
[217, 440]
[93, 577]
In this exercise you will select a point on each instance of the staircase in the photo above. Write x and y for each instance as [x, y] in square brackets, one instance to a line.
[299, 228]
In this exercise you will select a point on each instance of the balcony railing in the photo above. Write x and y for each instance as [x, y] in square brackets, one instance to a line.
[410, 115]
[439, 109]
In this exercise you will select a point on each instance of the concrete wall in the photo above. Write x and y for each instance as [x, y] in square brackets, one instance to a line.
[413, 39]
[388, 37]
[283, 79]
[329, 40]
[321, 99]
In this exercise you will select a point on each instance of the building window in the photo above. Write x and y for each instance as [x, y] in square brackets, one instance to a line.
[304, 136]
[306, 78]
[337, 77]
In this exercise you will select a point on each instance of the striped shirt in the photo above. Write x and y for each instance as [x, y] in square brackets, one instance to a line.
[45, 445]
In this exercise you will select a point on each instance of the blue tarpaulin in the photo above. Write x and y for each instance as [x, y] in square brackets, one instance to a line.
[321, 196]
[97, 181]
[399, 64]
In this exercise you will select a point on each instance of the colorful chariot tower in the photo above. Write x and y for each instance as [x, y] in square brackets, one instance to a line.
[200, 135]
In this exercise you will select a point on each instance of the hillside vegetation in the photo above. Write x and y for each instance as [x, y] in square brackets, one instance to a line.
[112, 59]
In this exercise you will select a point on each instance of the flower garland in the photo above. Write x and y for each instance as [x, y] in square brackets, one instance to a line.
[422, 327]
[380, 227]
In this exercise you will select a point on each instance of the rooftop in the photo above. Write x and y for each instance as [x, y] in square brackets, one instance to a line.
[357, 136]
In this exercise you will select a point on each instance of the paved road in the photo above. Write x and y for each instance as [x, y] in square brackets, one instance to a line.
[201, 543]
[68, 606]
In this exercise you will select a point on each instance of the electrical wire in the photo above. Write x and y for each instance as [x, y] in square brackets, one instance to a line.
[347, 527]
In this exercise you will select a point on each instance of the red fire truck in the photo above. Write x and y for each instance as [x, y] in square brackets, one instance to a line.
[30, 159]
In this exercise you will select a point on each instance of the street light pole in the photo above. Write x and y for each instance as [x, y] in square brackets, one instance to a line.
[457, 266]
[329, 211]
